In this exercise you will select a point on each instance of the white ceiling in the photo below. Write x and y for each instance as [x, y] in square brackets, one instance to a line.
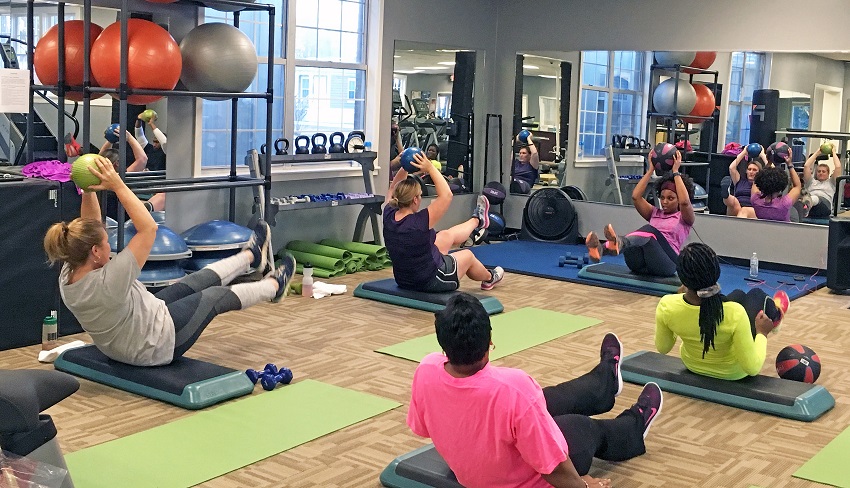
[408, 58]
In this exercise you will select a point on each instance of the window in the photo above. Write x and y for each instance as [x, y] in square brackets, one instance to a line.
[611, 99]
[15, 27]
[747, 75]
[327, 92]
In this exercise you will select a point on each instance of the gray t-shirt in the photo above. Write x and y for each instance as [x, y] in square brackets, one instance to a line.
[825, 189]
[125, 321]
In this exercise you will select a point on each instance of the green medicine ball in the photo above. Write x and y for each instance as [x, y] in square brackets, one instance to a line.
[80, 173]
[826, 148]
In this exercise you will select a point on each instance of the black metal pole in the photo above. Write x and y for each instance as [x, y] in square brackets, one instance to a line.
[31, 115]
[269, 112]
[86, 142]
[122, 116]
[234, 125]
[60, 122]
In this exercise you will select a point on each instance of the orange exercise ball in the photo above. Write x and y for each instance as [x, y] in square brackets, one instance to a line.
[704, 106]
[45, 60]
[703, 60]
[153, 59]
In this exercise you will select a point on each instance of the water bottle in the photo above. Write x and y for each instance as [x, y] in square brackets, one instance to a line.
[367, 146]
[307, 281]
[49, 333]
[754, 266]
[580, 149]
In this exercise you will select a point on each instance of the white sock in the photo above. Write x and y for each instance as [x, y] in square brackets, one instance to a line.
[815, 200]
[230, 268]
[254, 293]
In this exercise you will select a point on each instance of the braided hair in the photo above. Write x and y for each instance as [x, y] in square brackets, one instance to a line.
[699, 269]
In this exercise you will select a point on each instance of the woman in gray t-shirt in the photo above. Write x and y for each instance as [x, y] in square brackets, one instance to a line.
[127, 322]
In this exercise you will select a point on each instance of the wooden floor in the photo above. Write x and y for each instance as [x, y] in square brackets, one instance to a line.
[693, 443]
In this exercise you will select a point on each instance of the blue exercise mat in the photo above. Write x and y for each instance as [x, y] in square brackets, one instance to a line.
[541, 259]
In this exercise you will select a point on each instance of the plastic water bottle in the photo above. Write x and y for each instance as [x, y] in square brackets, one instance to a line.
[367, 146]
[307, 281]
[49, 333]
[754, 266]
[580, 149]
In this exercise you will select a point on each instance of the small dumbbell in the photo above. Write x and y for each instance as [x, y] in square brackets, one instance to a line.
[270, 381]
[255, 375]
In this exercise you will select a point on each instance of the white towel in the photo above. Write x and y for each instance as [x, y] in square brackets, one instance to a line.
[52, 354]
[321, 289]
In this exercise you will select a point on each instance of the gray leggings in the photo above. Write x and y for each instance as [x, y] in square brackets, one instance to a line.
[193, 302]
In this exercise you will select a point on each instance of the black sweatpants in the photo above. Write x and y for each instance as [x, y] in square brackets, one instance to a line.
[570, 404]
[753, 302]
[648, 255]
[193, 302]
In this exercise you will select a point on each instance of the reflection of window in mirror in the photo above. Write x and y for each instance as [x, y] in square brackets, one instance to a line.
[747, 75]
[444, 105]
[612, 101]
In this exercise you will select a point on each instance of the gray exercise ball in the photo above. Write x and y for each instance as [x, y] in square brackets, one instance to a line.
[669, 58]
[662, 98]
[218, 58]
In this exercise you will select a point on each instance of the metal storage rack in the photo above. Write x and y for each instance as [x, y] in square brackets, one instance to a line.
[232, 181]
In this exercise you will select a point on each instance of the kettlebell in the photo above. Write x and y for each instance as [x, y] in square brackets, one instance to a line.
[320, 141]
[354, 143]
[281, 146]
[337, 139]
[302, 145]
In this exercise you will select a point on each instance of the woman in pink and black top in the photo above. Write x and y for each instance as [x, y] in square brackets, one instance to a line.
[653, 249]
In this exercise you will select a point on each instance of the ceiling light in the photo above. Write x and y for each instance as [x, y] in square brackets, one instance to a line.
[396, 56]
[429, 67]
[447, 63]
[530, 66]
[547, 76]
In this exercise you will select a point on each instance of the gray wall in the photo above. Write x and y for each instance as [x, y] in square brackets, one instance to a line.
[432, 83]
[535, 87]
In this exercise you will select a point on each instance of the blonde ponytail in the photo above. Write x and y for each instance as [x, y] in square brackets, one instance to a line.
[71, 242]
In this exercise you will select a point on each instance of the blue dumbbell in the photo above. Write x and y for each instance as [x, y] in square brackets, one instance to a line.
[255, 375]
[270, 381]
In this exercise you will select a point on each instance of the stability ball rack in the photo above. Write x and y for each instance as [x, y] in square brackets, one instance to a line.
[232, 181]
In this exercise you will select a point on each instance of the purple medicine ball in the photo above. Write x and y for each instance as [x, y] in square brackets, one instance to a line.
[662, 156]
[778, 152]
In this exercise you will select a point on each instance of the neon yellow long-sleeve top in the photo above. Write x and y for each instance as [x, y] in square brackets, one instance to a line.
[735, 355]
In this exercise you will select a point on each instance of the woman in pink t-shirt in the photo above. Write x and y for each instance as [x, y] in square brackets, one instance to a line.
[653, 249]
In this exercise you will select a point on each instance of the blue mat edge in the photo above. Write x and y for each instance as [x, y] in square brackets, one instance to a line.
[225, 387]
[491, 304]
[803, 408]
[391, 479]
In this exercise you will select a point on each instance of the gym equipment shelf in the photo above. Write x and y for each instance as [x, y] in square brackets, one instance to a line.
[231, 181]
[371, 205]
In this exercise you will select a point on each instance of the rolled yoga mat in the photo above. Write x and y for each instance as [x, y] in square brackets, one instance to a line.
[317, 261]
[320, 272]
[321, 250]
[359, 247]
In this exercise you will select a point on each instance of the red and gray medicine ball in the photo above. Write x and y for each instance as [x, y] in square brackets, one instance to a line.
[778, 152]
[495, 192]
[662, 156]
[799, 363]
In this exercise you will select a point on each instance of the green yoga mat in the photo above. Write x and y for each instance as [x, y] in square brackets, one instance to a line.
[320, 272]
[371, 249]
[512, 332]
[317, 261]
[309, 247]
[829, 466]
[208, 444]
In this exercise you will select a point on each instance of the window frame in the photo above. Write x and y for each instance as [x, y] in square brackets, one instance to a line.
[611, 90]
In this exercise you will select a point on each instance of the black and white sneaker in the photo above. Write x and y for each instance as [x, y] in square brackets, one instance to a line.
[477, 236]
[259, 246]
[283, 274]
[726, 187]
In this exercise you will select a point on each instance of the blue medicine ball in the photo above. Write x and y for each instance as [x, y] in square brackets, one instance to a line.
[497, 224]
[753, 150]
[109, 133]
[407, 159]
[523, 136]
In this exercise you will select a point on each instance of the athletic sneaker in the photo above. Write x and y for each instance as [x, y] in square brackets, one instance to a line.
[477, 236]
[725, 187]
[803, 205]
[649, 405]
[482, 212]
[612, 351]
[283, 274]
[593, 247]
[496, 275]
[259, 246]
[612, 245]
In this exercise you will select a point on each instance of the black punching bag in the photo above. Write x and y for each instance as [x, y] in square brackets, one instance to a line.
[763, 118]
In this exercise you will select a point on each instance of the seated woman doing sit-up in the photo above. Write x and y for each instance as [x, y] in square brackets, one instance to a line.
[722, 336]
[420, 255]
[127, 322]
[652, 249]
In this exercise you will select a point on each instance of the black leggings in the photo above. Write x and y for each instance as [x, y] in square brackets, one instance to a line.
[753, 302]
[649, 255]
[193, 302]
[821, 211]
[570, 404]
